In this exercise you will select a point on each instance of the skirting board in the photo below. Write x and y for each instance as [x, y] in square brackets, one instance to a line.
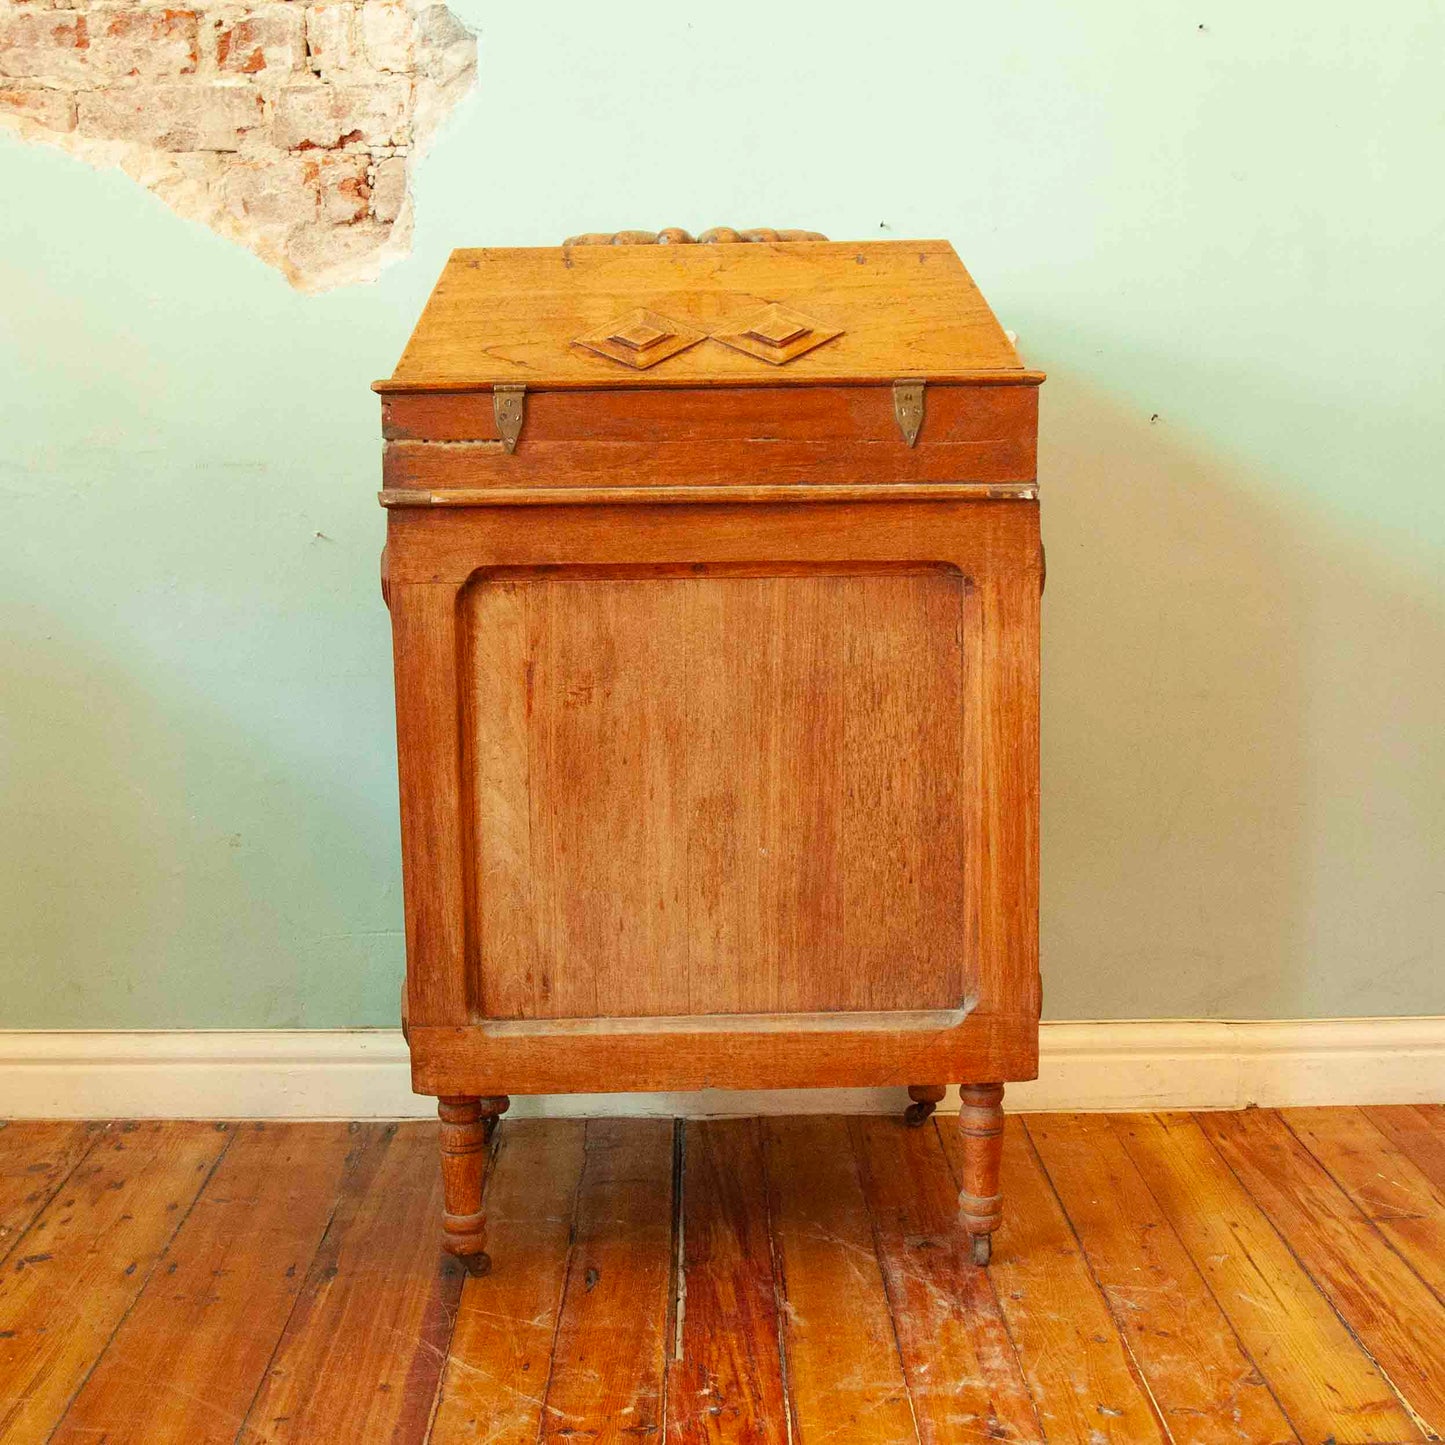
[362, 1074]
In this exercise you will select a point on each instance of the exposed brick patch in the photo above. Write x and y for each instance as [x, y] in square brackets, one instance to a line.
[290, 128]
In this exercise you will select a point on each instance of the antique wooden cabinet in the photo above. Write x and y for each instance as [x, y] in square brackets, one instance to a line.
[714, 575]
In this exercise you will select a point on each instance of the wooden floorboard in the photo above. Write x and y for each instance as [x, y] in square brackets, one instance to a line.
[1418, 1131]
[1325, 1382]
[609, 1360]
[1085, 1385]
[725, 1362]
[845, 1373]
[36, 1157]
[361, 1356]
[73, 1275]
[185, 1363]
[1204, 1383]
[1255, 1277]
[1390, 1310]
[501, 1347]
[1398, 1198]
[962, 1370]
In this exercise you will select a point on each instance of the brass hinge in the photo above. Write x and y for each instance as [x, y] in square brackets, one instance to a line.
[509, 406]
[908, 408]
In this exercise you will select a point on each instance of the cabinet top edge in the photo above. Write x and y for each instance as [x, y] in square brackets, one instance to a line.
[1001, 376]
[623, 317]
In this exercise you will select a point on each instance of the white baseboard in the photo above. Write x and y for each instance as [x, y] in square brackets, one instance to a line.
[362, 1074]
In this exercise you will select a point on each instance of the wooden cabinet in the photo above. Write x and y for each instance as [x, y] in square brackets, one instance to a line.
[714, 577]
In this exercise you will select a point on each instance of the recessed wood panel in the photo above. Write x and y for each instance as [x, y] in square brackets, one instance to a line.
[708, 791]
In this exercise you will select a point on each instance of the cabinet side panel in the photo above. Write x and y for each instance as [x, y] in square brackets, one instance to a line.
[711, 791]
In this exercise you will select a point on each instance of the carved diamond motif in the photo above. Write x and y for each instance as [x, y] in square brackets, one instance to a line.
[776, 331]
[639, 336]
[777, 334]
[641, 339]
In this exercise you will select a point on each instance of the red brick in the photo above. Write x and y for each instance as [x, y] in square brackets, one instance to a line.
[386, 35]
[327, 116]
[53, 109]
[345, 192]
[388, 188]
[49, 45]
[278, 191]
[331, 38]
[321, 251]
[143, 44]
[265, 41]
[172, 117]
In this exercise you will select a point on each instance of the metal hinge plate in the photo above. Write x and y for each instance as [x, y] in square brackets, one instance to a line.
[509, 406]
[908, 408]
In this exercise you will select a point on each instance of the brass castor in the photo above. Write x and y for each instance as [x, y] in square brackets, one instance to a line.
[982, 1248]
[926, 1098]
[477, 1264]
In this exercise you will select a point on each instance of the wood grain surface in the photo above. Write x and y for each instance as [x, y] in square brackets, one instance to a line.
[797, 742]
[1389, 1308]
[509, 315]
[724, 1370]
[845, 1373]
[963, 1372]
[1418, 1131]
[1169, 1277]
[362, 1352]
[36, 1158]
[1204, 1384]
[74, 1273]
[186, 1362]
[1396, 1195]
[829, 436]
[501, 1348]
[1325, 1384]
[609, 1359]
[887, 634]
[1081, 1372]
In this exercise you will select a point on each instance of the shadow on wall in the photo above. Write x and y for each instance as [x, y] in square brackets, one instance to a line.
[1242, 738]
[171, 869]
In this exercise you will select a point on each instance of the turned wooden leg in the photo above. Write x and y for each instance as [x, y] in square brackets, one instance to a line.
[980, 1206]
[467, 1125]
[926, 1098]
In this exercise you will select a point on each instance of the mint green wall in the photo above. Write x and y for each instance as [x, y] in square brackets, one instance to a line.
[1221, 229]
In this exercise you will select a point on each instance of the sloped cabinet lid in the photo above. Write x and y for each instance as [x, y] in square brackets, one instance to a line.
[759, 314]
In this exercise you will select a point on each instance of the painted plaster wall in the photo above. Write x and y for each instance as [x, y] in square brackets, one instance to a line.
[1215, 228]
